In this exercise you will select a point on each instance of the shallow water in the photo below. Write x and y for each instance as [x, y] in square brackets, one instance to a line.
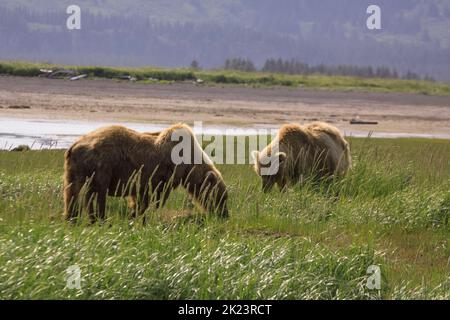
[39, 134]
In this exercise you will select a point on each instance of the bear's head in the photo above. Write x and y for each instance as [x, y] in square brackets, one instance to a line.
[213, 194]
[270, 167]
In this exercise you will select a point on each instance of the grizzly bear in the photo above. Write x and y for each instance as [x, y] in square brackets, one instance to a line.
[121, 162]
[315, 150]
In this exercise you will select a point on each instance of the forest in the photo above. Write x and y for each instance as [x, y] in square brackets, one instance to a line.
[414, 37]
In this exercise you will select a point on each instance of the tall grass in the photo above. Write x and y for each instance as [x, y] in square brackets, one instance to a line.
[314, 241]
[255, 79]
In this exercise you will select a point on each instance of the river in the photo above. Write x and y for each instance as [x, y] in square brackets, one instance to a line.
[45, 134]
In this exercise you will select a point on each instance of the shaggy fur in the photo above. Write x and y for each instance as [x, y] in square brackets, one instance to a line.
[120, 162]
[317, 149]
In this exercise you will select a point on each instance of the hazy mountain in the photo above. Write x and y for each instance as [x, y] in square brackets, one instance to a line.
[415, 34]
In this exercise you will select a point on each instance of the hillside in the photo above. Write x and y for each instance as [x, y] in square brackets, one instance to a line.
[172, 33]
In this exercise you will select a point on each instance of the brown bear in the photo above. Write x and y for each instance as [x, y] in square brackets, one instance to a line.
[314, 150]
[121, 162]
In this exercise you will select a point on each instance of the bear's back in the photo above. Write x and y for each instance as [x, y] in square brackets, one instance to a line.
[111, 135]
[324, 131]
[293, 136]
[111, 144]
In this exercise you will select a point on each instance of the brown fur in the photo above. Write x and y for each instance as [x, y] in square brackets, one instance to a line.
[117, 161]
[316, 149]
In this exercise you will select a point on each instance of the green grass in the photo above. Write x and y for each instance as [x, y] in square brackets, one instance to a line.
[315, 241]
[254, 79]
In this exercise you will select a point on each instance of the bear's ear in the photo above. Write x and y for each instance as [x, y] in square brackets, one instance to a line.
[255, 155]
[211, 174]
[281, 157]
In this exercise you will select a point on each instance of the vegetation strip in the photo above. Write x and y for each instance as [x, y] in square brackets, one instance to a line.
[220, 77]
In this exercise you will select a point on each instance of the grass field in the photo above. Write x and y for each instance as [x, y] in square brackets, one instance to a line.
[313, 242]
[255, 79]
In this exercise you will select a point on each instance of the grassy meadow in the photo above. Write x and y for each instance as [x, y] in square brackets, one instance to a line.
[151, 75]
[315, 241]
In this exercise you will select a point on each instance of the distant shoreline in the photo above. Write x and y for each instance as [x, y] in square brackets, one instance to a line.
[152, 75]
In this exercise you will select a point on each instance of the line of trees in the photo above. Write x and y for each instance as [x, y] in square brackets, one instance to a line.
[297, 67]
[294, 66]
[240, 64]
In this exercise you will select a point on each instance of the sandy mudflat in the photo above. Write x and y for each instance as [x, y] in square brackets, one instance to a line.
[108, 100]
